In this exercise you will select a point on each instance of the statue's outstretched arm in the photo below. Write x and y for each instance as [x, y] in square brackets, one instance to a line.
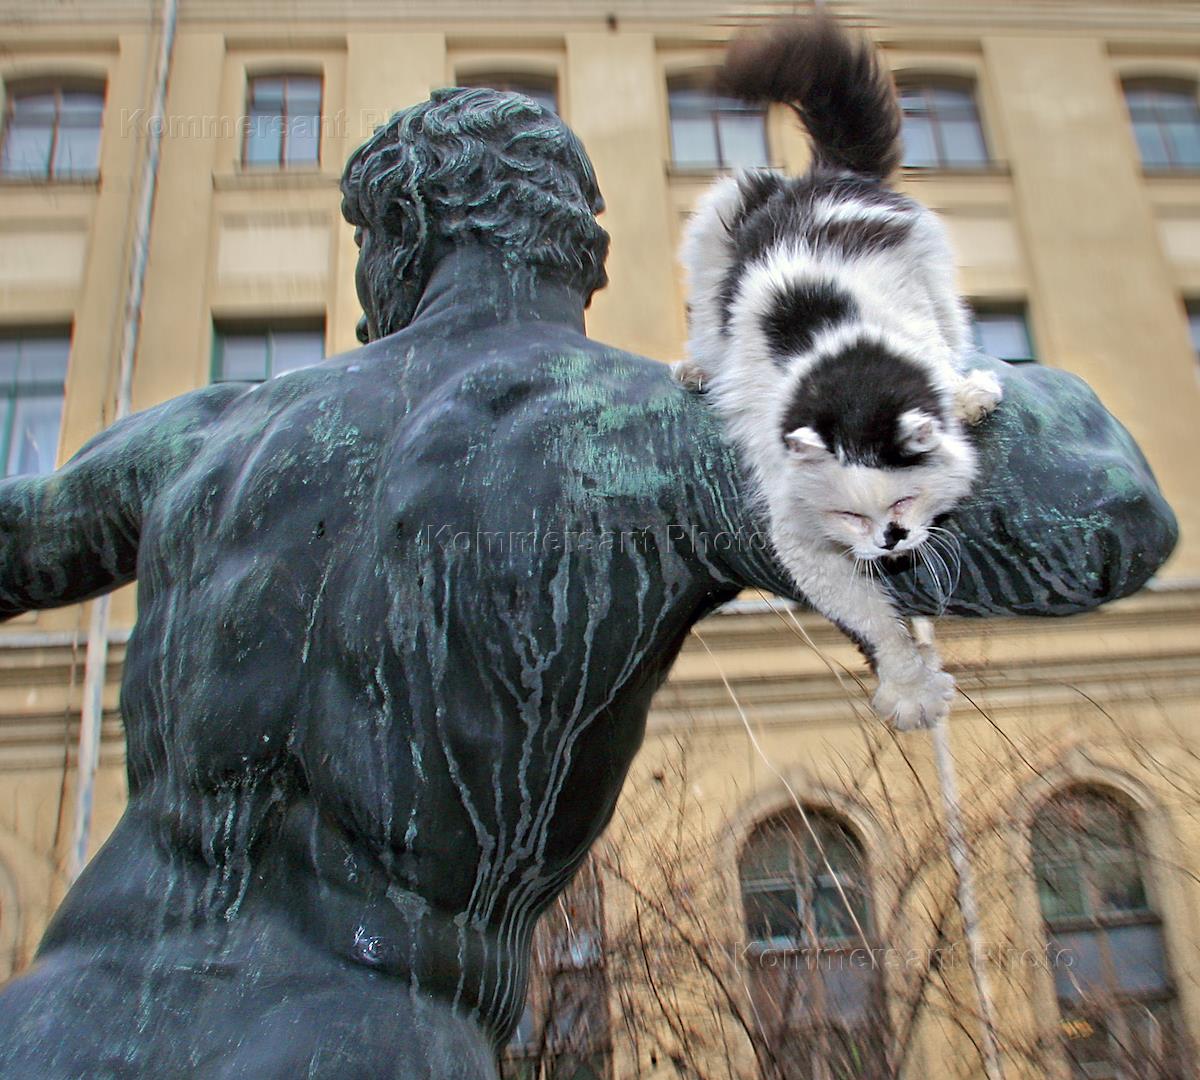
[1065, 515]
[73, 534]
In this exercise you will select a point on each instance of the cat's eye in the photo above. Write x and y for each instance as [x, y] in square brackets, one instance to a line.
[853, 518]
[900, 505]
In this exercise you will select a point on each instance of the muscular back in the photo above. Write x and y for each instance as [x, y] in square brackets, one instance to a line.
[400, 620]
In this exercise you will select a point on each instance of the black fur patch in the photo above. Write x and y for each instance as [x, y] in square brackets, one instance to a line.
[857, 236]
[776, 210]
[854, 400]
[800, 312]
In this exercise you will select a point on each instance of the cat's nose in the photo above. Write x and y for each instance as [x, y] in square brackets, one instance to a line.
[893, 534]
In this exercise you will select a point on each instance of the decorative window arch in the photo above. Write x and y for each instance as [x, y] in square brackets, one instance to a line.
[1105, 943]
[808, 920]
[941, 123]
[52, 128]
[283, 120]
[709, 131]
[542, 88]
[1165, 114]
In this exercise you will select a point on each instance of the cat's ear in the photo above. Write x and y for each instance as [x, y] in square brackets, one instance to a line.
[804, 444]
[919, 431]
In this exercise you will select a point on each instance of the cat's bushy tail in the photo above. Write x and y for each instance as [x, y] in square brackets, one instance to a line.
[836, 83]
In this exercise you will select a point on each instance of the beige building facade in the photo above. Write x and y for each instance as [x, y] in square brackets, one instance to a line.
[1061, 143]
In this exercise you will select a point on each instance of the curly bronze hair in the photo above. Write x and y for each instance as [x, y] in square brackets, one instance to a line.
[470, 166]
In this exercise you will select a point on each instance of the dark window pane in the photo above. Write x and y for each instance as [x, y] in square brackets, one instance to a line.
[1003, 334]
[264, 139]
[35, 434]
[1152, 143]
[35, 108]
[26, 149]
[303, 139]
[693, 142]
[77, 152]
[243, 357]
[1139, 958]
[772, 917]
[768, 855]
[1194, 328]
[1184, 138]
[292, 349]
[267, 93]
[743, 140]
[43, 360]
[83, 108]
[303, 94]
[963, 142]
[920, 147]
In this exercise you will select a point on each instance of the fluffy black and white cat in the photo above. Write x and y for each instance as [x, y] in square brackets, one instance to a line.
[827, 332]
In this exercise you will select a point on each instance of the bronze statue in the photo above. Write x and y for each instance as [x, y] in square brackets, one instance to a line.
[401, 616]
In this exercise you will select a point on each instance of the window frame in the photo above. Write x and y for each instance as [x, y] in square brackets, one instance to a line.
[928, 82]
[811, 1031]
[719, 106]
[283, 117]
[1184, 87]
[1112, 1004]
[12, 393]
[267, 327]
[1015, 308]
[58, 86]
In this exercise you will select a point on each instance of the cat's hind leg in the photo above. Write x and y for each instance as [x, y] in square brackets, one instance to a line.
[977, 395]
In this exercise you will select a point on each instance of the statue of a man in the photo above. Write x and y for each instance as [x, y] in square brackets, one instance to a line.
[401, 616]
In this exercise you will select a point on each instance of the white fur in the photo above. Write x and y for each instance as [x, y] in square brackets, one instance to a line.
[829, 518]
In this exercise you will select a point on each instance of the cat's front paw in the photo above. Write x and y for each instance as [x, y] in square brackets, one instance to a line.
[689, 374]
[918, 704]
[977, 396]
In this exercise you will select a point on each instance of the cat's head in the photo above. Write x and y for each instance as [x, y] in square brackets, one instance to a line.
[873, 452]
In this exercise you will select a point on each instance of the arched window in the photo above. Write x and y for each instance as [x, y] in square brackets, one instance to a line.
[807, 909]
[1166, 122]
[542, 88]
[52, 130]
[283, 121]
[713, 132]
[942, 129]
[1105, 940]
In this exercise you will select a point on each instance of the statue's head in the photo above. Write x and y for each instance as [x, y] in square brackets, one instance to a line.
[469, 166]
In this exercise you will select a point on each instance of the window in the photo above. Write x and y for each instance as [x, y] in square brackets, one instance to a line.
[805, 898]
[52, 131]
[33, 369]
[1166, 122]
[253, 353]
[563, 1033]
[283, 125]
[542, 88]
[1003, 332]
[1105, 941]
[941, 127]
[712, 132]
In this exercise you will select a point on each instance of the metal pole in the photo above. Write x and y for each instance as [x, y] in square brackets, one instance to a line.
[96, 663]
[960, 857]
